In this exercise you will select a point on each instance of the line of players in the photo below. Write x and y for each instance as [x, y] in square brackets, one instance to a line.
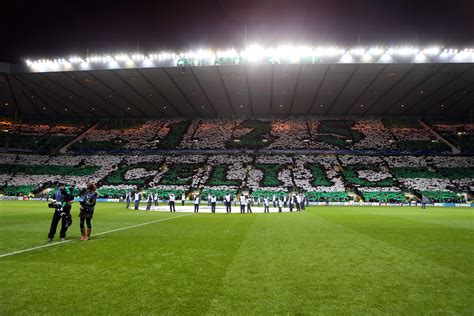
[296, 202]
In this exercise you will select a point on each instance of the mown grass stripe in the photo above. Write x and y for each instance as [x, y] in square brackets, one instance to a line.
[98, 234]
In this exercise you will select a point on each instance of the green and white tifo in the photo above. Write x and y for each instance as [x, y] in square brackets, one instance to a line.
[325, 260]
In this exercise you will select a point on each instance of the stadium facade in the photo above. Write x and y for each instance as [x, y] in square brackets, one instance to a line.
[255, 82]
[342, 125]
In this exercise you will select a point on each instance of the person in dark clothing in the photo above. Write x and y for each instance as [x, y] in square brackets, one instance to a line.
[243, 202]
[128, 198]
[88, 202]
[213, 203]
[149, 201]
[249, 204]
[136, 200]
[61, 201]
[171, 202]
[266, 203]
[196, 204]
[424, 201]
[227, 201]
[298, 202]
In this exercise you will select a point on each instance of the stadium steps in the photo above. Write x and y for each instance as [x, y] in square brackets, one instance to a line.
[355, 195]
[79, 137]
[454, 149]
[416, 194]
[43, 191]
[15, 128]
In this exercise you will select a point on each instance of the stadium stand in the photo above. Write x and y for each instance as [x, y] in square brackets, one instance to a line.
[357, 135]
[383, 136]
[40, 136]
[411, 137]
[113, 136]
[346, 159]
[323, 177]
[460, 134]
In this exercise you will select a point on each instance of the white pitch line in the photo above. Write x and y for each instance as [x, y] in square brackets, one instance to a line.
[138, 225]
[34, 248]
[102, 233]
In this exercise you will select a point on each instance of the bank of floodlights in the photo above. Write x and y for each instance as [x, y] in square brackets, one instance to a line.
[257, 54]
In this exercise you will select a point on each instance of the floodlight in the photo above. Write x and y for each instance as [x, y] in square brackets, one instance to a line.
[84, 66]
[347, 58]
[432, 51]
[420, 58]
[367, 58]
[148, 63]
[254, 53]
[376, 51]
[129, 63]
[74, 60]
[359, 51]
[386, 58]
[137, 57]
[121, 57]
[405, 51]
[95, 59]
[328, 51]
[205, 54]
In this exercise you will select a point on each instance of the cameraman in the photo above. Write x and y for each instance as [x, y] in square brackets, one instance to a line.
[89, 199]
[61, 202]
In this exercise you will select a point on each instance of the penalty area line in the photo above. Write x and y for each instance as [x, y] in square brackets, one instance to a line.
[98, 234]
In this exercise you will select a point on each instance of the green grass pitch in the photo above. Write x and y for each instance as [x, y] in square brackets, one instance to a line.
[325, 260]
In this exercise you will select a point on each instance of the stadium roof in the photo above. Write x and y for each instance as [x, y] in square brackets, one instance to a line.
[322, 87]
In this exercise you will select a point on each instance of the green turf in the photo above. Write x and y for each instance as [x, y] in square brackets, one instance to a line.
[326, 260]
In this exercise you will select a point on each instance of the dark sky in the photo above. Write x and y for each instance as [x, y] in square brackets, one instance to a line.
[51, 29]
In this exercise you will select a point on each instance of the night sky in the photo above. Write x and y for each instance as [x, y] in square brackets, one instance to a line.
[60, 28]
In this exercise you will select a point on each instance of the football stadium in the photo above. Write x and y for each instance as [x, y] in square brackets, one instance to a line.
[261, 179]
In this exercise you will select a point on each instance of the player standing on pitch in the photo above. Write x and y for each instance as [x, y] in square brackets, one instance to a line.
[61, 201]
[89, 199]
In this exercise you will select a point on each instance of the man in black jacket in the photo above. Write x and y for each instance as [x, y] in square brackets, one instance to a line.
[61, 201]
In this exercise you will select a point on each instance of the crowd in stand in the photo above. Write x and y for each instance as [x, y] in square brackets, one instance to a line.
[219, 134]
[321, 177]
[37, 136]
[208, 134]
[460, 135]
[290, 134]
[393, 157]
